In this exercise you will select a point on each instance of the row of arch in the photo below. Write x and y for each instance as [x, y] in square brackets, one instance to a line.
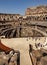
[14, 18]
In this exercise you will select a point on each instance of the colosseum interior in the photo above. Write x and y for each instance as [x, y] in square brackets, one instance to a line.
[33, 23]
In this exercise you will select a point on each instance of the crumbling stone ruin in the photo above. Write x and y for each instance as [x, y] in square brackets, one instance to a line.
[38, 57]
[11, 58]
[33, 23]
[37, 11]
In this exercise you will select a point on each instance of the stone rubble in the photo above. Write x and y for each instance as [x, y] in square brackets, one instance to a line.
[38, 57]
[9, 59]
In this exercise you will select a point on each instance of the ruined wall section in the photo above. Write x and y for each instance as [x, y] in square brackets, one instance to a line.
[40, 12]
[34, 23]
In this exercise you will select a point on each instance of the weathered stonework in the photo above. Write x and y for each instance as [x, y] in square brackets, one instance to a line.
[39, 10]
[39, 56]
[38, 13]
[34, 23]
